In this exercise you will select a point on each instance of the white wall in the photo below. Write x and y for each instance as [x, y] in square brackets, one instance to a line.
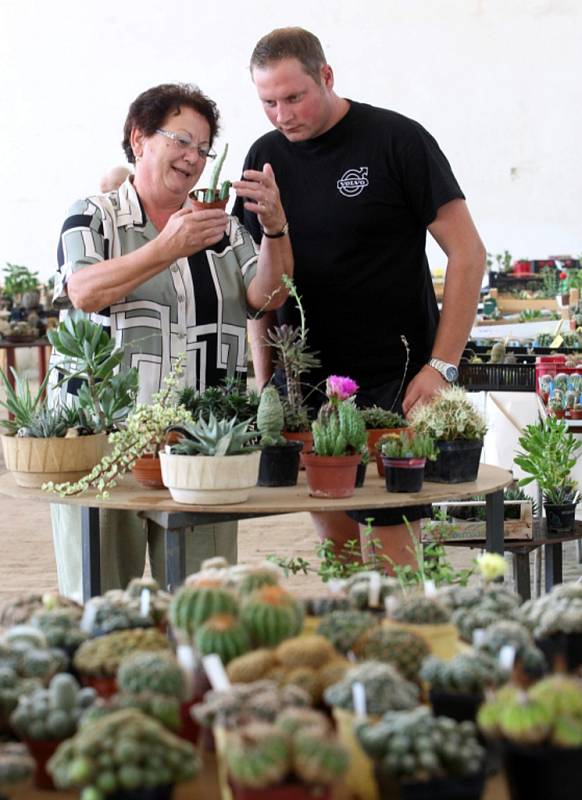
[498, 82]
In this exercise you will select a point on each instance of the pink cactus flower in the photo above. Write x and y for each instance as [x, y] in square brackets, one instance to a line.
[340, 388]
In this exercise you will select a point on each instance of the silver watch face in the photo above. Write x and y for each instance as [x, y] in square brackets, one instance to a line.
[450, 373]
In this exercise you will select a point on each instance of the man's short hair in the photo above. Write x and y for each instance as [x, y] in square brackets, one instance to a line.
[149, 110]
[291, 43]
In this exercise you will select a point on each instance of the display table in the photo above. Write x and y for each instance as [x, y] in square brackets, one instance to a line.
[174, 518]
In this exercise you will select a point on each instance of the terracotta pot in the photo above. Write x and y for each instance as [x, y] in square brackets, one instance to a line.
[201, 206]
[281, 791]
[36, 461]
[148, 472]
[104, 685]
[373, 435]
[41, 751]
[331, 476]
[559, 413]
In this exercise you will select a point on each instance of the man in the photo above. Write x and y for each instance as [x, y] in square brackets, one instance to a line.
[361, 186]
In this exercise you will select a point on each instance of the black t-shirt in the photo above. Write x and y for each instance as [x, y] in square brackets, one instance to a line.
[358, 200]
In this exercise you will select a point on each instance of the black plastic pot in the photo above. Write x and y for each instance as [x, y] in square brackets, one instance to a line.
[156, 793]
[565, 647]
[543, 773]
[361, 474]
[403, 474]
[279, 465]
[456, 706]
[452, 788]
[560, 518]
[457, 461]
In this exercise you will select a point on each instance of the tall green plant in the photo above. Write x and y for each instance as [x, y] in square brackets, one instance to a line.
[19, 279]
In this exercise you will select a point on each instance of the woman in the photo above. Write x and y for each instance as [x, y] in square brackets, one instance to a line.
[166, 278]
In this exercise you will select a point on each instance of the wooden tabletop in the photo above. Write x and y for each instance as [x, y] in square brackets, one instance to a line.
[131, 496]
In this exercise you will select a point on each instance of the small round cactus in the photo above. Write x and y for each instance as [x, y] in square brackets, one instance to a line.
[344, 628]
[421, 610]
[156, 672]
[102, 656]
[271, 615]
[305, 651]
[224, 635]
[384, 687]
[52, 713]
[318, 760]
[252, 666]
[404, 650]
[193, 605]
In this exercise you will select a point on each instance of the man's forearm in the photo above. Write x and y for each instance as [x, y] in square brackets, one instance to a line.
[461, 296]
[260, 351]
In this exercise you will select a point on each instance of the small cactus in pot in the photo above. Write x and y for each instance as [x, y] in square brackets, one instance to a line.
[213, 196]
[279, 465]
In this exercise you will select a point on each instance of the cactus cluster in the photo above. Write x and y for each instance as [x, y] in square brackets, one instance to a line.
[559, 611]
[325, 604]
[260, 755]
[344, 628]
[309, 662]
[420, 610]
[123, 751]
[12, 687]
[60, 627]
[162, 707]
[358, 590]
[109, 616]
[404, 650]
[262, 700]
[415, 745]
[384, 687]
[475, 607]
[467, 673]
[156, 672]
[23, 608]
[25, 649]
[130, 599]
[451, 415]
[102, 656]
[16, 765]
[52, 713]
[550, 711]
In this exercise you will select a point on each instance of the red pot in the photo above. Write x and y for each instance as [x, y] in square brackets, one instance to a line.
[282, 791]
[189, 728]
[199, 205]
[331, 476]
[105, 686]
[41, 751]
[148, 471]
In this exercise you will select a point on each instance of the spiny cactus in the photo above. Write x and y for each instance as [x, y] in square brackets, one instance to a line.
[291, 720]
[376, 417]
[193, 605]
[384, 687]
[318, 760]
[344, 628]
[252, 666]
[305, 651]
[52, 713]
[16, 765]
[270, 417]
[271, 615]
[467, 673]
[404, 650]
[122, 751]
[421, 610]
[257, 578]
[358, 590]
[224, 635]
[451, 415]
[505, 632]
[559, 611]
[102, 656]
[156, 672]
[339, 433]
[257, 755]
[60, 628]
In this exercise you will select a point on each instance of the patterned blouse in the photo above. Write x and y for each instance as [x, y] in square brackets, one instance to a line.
[197, 304]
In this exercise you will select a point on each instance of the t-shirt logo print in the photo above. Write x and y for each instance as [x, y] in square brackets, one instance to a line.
[353, 182]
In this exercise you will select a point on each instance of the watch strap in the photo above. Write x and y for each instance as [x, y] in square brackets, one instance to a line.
[283, 232]
[449, 371]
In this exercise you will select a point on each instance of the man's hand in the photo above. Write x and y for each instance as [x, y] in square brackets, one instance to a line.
[261, 194]
[188, 231]
[422, 388]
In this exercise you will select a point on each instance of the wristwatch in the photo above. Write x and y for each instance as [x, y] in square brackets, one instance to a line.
[283, 232]
[449, 372]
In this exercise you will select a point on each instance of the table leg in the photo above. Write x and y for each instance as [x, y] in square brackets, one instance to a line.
[175, 557]
[521, 575]
[494, 530]
[553, 560]
[41, 350]
[91, 552]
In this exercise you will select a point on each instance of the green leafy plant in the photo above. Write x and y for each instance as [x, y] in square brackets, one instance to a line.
[20, 401]
[18, 280]
[405, 445]
[217, 437]
[548, 454]
[294, 358]
[501, 261]
[230, 398]
[339, 431]
[550, 282]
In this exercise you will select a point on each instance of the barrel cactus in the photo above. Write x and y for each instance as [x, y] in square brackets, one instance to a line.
[224, 635]
[193, 605]
[252, 666]
[271, 615]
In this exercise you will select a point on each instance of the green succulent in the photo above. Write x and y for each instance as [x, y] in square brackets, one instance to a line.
[376, 417]
[339, 431]
[405, 445]
[217, 437]
[271, 417]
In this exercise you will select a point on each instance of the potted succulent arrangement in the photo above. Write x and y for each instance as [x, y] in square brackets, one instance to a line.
[381, 422]
[21, 286]
[404, 457]
[213, 197]
[458, 429]
[56, 443]
[549, 453]
[228, 399]
[214, 462]
[293, 358]
[555, 620]
[339, 436]
[279, 464]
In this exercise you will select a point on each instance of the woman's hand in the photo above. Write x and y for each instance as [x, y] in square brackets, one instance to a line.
[188, 231]
[261, 194]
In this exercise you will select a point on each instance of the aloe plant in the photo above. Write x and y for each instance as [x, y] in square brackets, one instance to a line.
[217, 437]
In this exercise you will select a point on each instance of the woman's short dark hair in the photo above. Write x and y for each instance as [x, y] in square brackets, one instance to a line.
[149, 110]
[291, 43]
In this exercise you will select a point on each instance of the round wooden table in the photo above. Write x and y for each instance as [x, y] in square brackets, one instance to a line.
[158, 506]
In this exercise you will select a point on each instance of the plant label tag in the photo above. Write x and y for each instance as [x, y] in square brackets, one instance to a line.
[557, 342]
[359, 698]
[351, 657]
[390, 604]
[478, 637]
[374, 590]
[335, 585]
[507, 657]
[88, 619]
[187, 661]
[216, 673]
[144, 602]
[430, 588]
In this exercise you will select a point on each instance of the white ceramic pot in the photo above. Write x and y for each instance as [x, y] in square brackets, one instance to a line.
[37, 461]
[210, 480]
